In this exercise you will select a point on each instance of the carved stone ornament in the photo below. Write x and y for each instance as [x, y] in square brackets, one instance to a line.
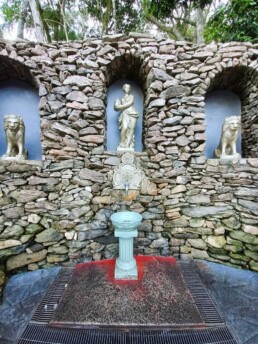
[14, 131]
[229, 134]
[127, 120]
[127, 173]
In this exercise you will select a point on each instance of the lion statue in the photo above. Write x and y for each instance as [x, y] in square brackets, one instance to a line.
[14, 131]
[230, 131]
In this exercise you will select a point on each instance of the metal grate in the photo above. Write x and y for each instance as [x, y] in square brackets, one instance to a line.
[217, 335]
[206, 307]
[48, 304]
[47, 335]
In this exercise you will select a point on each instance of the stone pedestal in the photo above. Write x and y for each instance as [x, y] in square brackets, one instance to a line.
[236, 156]
[126, 264]
[124, 149]
[125, 224]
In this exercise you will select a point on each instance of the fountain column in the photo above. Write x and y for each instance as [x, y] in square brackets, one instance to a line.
[126, 263]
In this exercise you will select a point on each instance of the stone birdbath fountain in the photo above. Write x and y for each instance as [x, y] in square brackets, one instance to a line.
[126, 177]
[125, 223]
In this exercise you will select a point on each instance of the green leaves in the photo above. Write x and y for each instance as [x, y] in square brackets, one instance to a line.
[236, 21]
[11, 10]
[180, 19]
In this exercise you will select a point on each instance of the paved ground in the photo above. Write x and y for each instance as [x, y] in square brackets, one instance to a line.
[234, 291]
[21, 296]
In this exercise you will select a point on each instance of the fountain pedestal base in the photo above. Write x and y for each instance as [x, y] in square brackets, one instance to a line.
[126, 267]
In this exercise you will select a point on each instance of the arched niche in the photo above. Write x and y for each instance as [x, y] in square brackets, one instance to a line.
[20, 98]
[115, 91]
[125, 68]
[219, 105]
[242, 81]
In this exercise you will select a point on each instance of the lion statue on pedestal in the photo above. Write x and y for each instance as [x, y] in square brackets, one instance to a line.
[14, 131]
[227, 145]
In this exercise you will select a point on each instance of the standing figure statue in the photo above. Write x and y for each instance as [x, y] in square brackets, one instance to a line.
[127, 120]
[14, 131]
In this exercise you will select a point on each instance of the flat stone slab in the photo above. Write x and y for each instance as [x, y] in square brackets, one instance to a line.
[159, 297]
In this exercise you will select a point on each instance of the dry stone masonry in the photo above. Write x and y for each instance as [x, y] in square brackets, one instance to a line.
[57, 211]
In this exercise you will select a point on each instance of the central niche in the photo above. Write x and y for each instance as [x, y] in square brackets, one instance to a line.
[116, 93]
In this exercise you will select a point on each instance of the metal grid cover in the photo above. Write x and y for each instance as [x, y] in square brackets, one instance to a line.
[205, 305]
[47, 335]
[47, 306]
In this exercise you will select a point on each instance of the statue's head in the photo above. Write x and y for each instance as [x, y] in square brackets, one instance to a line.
[127, 88]
[13, 123]
[232, 123]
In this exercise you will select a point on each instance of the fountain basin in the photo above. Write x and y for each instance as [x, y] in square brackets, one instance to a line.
[126, 220]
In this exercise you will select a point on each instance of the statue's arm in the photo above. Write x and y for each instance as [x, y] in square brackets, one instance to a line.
[126, 104]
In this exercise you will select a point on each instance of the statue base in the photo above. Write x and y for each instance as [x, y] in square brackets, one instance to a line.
[12, 158]
[236, 156]
[125, 149]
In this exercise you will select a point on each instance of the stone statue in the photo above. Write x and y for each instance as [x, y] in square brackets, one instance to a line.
[227, 145]
[14, 131]
[127, 119]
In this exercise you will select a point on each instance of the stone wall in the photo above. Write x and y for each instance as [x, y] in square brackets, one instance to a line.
[57, 211]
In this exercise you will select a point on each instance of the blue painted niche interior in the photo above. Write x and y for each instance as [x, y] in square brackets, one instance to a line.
[219, 105]
[115, 91]
[19, 98]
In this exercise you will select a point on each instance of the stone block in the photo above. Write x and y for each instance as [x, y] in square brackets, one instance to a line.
[202, 211]
[77, 80]
[9, 243]
[253, 265]
[159, 243]
[196, 222]
[25, 196]
[250, 229]
[92, 175]
[249, 205]
[197, 199]
[244, 237]
[178, 189]
[49, 235]
[232, 222]
[197, 243]
[25, 259]
[216, 241]
[14, 212]
[251, 254]
[12, 232]
[56, 258]
[199, 254]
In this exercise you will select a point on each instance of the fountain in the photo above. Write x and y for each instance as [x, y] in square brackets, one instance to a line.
[126, 176]
[125, 223]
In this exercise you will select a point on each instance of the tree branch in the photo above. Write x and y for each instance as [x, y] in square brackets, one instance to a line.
[62, 10]
[170, 30]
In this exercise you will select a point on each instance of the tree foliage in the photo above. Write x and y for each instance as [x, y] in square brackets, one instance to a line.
[235, 21]
[181, 20]
[71, 19]
[178, 19]
[115, 15]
